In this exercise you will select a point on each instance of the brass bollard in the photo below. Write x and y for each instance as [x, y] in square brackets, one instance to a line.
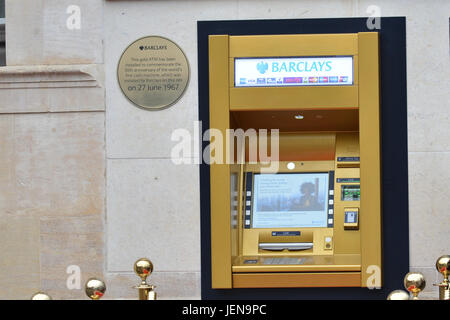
[398, 295]
[415, 283]
[40, 296]
[143, 268]
[443, 266]
[95, 288]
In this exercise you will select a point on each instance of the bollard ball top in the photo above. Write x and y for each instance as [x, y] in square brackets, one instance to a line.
[143, 268]
[443, 265]
[95, 288]
[41, 296]
[414, 282]
[398, 295]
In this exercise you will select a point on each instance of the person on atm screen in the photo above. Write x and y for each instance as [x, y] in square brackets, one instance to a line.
[308, 200]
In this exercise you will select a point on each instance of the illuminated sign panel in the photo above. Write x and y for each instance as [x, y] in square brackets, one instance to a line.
[297, 71]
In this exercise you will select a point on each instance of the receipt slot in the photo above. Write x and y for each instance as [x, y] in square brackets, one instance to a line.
[313, 219]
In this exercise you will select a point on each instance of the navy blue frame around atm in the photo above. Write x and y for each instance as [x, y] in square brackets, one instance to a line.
[393, 141]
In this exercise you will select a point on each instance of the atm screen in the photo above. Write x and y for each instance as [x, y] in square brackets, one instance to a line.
[290, 200]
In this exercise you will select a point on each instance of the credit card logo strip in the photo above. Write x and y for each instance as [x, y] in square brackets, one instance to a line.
[292, 79]
[261, 81]
[333, 79]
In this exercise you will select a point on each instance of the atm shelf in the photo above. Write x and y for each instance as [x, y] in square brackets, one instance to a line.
[280, 263]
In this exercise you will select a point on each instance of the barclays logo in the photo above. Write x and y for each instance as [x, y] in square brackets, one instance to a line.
[262, 67]
[153, 47]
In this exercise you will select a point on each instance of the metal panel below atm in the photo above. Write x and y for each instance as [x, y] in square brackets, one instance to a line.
[297, 280]
[297, 271]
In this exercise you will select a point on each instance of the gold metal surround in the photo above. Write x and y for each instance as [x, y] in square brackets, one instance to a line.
[353, 124]
[220, 173]
[370, 151]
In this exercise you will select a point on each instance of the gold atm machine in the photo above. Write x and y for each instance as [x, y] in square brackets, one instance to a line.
[313, 217]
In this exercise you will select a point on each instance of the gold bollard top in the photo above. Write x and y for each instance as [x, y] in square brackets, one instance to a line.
[414, 282]
[443, 265]
[143, 268]
[398, 295]
[40, 296]
[95, 288]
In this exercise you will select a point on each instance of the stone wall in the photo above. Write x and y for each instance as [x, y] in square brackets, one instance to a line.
[52, 149]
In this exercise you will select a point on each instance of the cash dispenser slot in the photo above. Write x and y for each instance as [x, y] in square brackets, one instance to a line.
[289, 246]
[287, 240]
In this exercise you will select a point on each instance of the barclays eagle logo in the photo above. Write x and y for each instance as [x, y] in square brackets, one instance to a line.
[262, 67]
